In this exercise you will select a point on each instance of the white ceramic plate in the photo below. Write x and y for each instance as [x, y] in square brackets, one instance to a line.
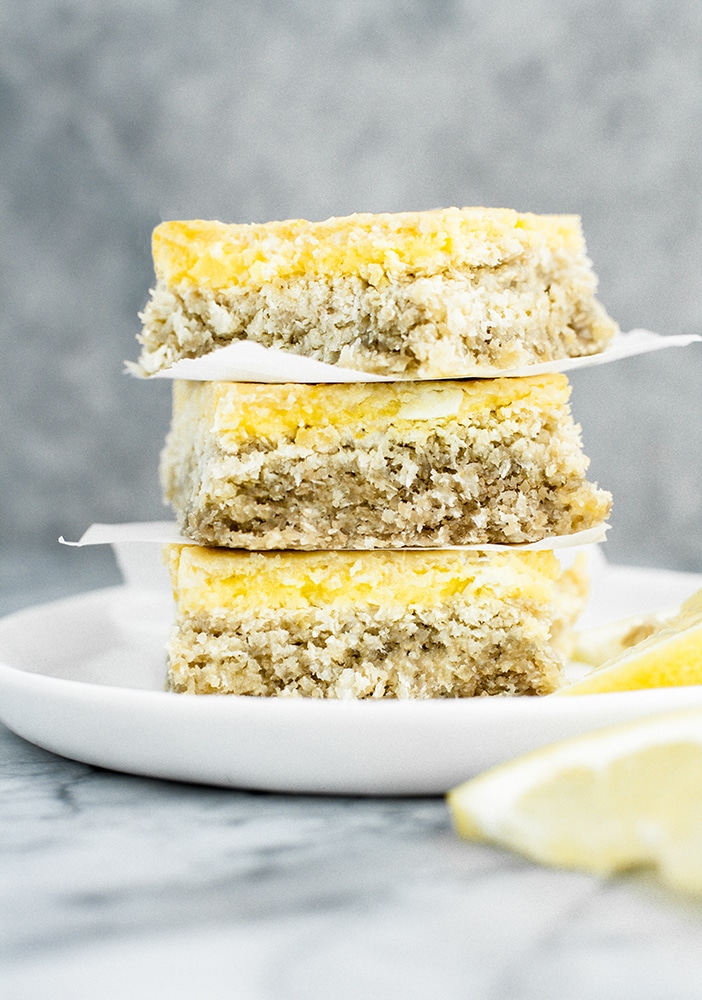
[82, 678]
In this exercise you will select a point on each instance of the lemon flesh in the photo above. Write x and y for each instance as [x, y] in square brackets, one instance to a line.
[670, 657]
[619, 798]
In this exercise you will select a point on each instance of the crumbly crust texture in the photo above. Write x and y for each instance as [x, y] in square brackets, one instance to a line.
[479, 288]
[371, 652]
[507, 473]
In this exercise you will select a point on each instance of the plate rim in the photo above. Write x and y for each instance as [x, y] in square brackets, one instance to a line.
[41, 708]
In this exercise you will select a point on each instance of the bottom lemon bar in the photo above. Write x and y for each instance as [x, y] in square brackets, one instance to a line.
[379, 624]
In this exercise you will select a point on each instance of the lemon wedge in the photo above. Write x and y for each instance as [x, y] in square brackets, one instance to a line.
[620, 798]
[595, 646]
[670, 656]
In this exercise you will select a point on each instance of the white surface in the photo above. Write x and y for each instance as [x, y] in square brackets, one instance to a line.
[247, 361]
[83, 677]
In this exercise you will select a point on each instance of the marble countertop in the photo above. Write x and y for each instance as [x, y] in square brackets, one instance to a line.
[115, 886]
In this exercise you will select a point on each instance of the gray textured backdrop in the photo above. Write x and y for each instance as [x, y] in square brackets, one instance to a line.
[117, 114]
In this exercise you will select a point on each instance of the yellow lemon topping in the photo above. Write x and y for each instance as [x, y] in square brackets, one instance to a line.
[377, 248]
[250, 410]
[207, 579]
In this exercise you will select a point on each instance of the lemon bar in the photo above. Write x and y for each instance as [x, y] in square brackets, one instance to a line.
[364, 465]
[381, 624]
[411, 295]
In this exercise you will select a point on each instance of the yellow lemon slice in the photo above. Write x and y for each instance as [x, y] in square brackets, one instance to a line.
[670, 656]
[619, 798]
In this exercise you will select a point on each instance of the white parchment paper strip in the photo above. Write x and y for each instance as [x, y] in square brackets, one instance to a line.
[164, 532]
[246, 361]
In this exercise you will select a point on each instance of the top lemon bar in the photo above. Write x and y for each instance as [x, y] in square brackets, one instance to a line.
[416, 294]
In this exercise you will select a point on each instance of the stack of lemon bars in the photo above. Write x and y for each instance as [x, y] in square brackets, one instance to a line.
[366, 539]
